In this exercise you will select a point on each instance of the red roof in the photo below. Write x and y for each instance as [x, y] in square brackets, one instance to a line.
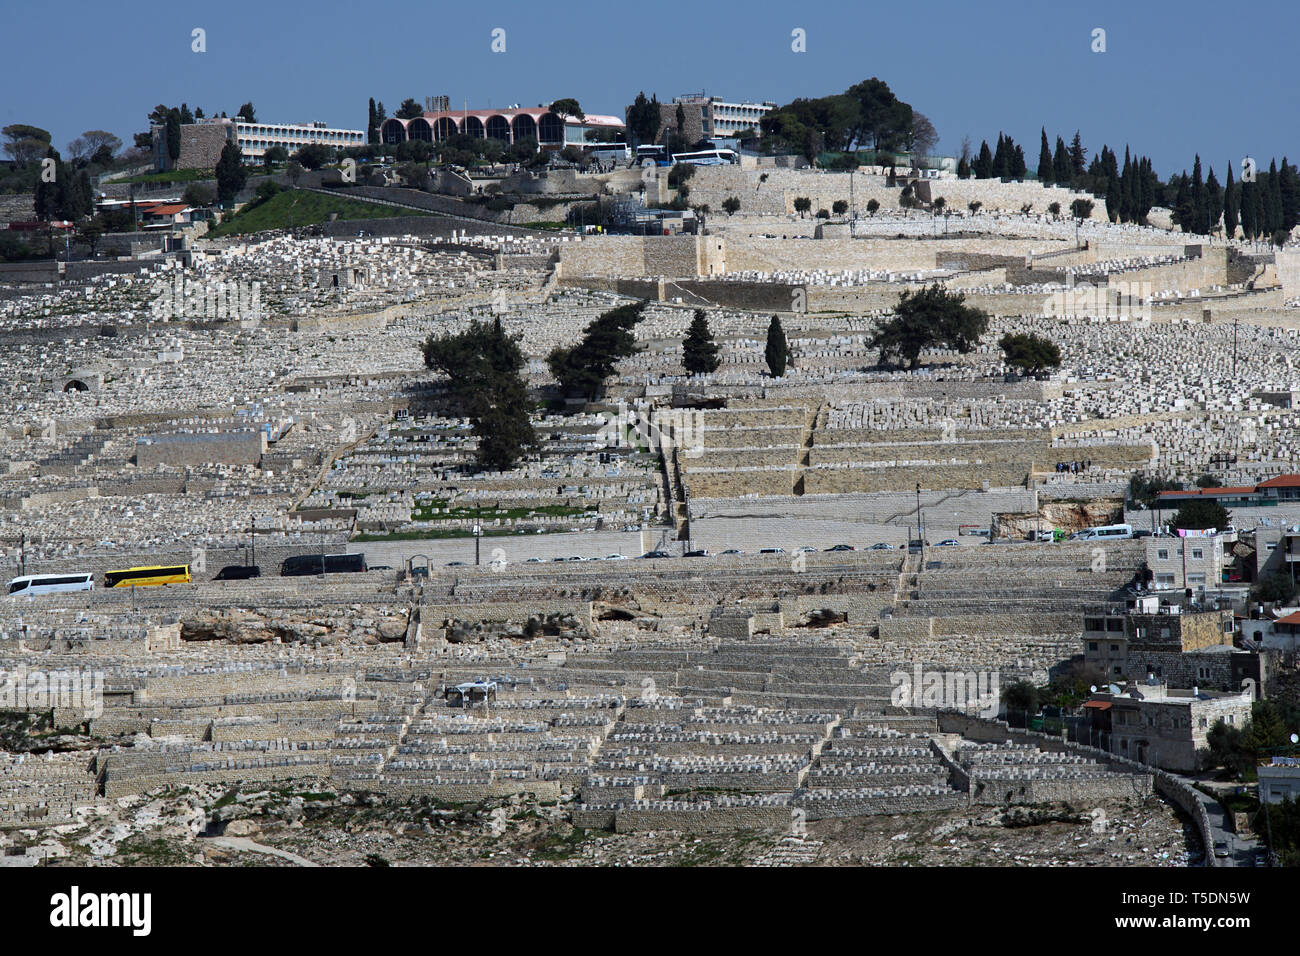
[1293, 618]
[168, 209]
[1282, 481]
[1241, 490]
[1098, 704]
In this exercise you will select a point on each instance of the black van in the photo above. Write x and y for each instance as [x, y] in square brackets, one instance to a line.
[238, 572]
[322, 564]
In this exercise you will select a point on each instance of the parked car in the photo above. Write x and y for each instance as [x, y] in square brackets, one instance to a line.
[457, 564]
[616, 557]
[701, 553]
[881, 546]
[731, 551]
[1220, 848]
[949, 543]
[656, 554]
[842, 547]
[771, 550]
[805, 550]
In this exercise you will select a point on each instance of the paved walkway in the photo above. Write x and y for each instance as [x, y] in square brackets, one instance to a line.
[250, 846]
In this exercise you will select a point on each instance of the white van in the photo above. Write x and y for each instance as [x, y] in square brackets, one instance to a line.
[30, 585]
[1108, 532]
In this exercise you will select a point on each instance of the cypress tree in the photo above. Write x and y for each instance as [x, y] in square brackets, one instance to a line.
[1001, 162]
[1275, 216]
[777, 352]
[1018, 166]
[983, 165]
[699, 351]
[1061, 164]
[1289, 187]
[1213, 202]
[1114, 203]
[172, 131]
[1126, 180]
[1078, 155]
[1200, 212]
[1045, 161]
[1229, 207]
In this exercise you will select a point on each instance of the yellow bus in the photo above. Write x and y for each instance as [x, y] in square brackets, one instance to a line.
[155, 574]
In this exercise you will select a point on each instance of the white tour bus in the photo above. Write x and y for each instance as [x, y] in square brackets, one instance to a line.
[1109, 532]
[708, 157]
[610, 152]
[32, 584]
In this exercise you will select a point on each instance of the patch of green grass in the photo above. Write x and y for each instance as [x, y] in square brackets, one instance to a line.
[298, 207]
[150, 851]
[559, 847]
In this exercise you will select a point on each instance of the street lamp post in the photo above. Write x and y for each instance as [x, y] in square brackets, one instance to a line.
[478, 532]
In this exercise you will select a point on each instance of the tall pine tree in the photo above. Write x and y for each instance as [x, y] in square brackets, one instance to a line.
[699, 351]
[1045, 171]
[1061, 171]
[1229, 207]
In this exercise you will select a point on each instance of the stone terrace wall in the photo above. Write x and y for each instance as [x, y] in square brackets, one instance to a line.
[1172, 786]
[775, 197]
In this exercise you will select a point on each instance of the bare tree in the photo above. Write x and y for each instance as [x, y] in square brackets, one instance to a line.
[966, 148]
[922, 138]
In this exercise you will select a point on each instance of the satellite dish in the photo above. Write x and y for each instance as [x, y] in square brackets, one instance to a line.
[1093, 688]
[1115, 689]
[1295, 738]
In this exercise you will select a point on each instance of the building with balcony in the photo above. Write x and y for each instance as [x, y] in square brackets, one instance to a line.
[202, 141]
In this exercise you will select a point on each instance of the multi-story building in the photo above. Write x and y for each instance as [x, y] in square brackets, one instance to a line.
[1162, 726]
[1186, 562]
[202, 142]
[1166, 643]
[722, 118]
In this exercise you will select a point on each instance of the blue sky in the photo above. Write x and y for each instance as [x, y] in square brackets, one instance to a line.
[1176, 78]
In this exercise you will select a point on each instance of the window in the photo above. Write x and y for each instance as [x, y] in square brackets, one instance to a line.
[1195, 579]
[1114, 647]
[1162, 554]
[1198, 554]
[1092, 645]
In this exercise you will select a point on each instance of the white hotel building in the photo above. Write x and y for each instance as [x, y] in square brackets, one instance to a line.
[254, 139]
[722, 118]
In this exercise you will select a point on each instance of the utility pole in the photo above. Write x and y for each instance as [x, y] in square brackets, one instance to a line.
[478, 532]
[252, 536]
